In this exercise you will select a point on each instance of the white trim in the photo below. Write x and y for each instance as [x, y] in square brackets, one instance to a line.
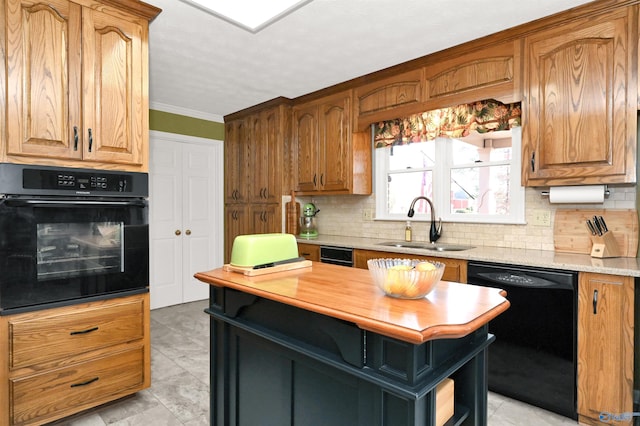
[158, 106]
[176, 137]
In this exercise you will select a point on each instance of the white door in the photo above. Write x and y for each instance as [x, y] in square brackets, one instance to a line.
[186, 205]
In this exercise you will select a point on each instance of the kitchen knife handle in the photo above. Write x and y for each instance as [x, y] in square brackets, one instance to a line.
[592, 229]
[597, 225]
[603, 224]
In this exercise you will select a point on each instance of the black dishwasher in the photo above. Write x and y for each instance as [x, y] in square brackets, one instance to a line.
[336, 255]
[533, 358]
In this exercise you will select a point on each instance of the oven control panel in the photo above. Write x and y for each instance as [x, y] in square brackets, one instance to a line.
[76, 181]
[17, 180]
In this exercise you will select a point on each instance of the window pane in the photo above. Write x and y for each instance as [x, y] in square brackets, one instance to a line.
[413, 156]
[477, 149]
[404, 187]
[480, 190]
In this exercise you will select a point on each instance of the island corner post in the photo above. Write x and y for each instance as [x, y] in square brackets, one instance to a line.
[322, 345]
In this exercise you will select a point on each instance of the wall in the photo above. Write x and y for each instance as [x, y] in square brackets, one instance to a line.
[343, 215]
[183, 125]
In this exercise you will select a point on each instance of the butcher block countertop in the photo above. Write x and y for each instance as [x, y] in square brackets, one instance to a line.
[451, 310]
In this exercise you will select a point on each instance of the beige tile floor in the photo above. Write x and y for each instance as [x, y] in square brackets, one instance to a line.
[179, 394]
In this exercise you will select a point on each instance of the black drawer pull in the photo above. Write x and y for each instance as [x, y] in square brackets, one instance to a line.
[595, 302]
[90, 140]
[88, 330]
[88, 382]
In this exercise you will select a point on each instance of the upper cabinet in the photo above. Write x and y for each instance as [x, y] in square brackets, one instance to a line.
[580, 115]
[492, 72]
[374, 99]
[451, 78]
[328, 158]
[77, 83]
[265, 156]
[236, 150]
[254, 148]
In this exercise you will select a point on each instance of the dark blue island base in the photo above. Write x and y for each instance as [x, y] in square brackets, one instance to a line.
[273, 364]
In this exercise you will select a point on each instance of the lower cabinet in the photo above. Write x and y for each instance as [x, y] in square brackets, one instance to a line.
[605, 348]
[57, 362]
[243, 219]
[455, 269]
[309, 251]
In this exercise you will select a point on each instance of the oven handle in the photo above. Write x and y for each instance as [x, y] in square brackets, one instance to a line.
[67, 203]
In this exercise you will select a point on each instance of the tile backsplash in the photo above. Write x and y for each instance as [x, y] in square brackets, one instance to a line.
[343, 216]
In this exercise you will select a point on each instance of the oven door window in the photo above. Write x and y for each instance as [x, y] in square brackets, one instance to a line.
[69, 250]
[57, 251]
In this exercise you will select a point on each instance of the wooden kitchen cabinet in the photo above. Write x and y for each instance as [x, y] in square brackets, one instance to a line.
[580, 115]
[236, 222]
[265, 148]
[254, 148]
[243, 219]
[328, 158]
[254, 172]
[309, 251]
[236, 188]
[374, 99]
[77, 83]
[492, 72]
[455, 269]
[60, 361]
[605, 346]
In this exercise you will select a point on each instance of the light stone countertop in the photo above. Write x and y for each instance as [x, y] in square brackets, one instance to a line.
[626, 266]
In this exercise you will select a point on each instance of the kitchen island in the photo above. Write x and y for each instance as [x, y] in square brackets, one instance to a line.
[323, 345]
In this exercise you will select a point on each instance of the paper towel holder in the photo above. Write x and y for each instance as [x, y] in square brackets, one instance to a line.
[606, 192]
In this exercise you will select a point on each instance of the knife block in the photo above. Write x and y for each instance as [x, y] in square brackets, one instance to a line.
[604, 246]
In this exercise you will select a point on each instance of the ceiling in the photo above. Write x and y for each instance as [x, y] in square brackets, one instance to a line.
[203, 66]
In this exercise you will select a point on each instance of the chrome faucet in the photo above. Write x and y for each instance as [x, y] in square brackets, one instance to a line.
[434, 232]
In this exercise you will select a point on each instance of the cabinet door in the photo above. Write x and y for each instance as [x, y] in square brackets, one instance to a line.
[265, 219]
[114, 89]
[605, 344]
[305, 137]
[309, 251]
[44, 80]
[265, 162]
[335, 144]
[236, 222]
[235, 162]
[580, 127]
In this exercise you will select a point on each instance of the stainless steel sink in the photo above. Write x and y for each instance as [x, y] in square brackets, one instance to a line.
[426, 246]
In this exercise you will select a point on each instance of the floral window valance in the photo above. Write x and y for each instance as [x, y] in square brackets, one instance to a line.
[455, 122]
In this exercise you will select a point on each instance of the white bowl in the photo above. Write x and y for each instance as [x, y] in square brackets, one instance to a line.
[405, 278]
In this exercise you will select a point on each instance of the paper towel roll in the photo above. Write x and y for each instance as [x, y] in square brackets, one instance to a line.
[577, 194]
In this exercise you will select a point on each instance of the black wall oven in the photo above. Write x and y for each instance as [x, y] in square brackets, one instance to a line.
[71, 235]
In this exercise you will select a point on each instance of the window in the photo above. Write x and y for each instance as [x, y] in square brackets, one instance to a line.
[480, 173]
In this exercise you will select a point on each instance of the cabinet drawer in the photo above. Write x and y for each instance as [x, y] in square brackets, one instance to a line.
[76, 387]
[36, 339]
